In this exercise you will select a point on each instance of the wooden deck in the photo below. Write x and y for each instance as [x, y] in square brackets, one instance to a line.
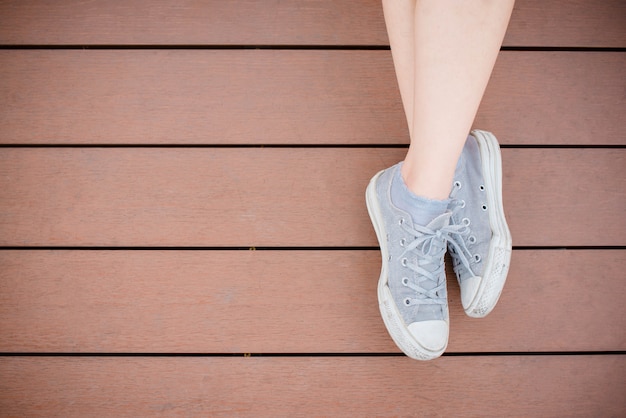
[183, 229]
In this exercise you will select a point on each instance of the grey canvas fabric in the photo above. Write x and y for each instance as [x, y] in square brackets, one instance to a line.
[470, 208]
[481, 250]
[412, 286]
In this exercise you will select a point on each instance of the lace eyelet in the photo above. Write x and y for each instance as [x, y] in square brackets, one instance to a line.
[462, 204]
[407, 302]
[405, 281]
[482, 187]
[477, 258]
[403, 262]
[458, 184]
[466, 222]
[401, 221]
[402, 242]
[484, 207]
[472, 239]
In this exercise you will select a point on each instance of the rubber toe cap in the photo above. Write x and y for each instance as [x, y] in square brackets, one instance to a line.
[432, 335]
[469, 290]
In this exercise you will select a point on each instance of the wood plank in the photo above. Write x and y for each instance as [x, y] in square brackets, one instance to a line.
[567, 23]
[556, 99]
[573, 23]
[361, 386]
[246, 197]
[287, 302]
[287, 97]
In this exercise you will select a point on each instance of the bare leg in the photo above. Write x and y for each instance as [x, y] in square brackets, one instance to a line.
[443, 52]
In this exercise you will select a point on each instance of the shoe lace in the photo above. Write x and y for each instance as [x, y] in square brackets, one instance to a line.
[461, 255]
[428, 249]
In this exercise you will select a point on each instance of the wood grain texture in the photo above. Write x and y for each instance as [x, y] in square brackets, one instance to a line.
[289, 97]
[319, 303]
[579, 386]
[247, 197]
[586, 23]
[287, 302]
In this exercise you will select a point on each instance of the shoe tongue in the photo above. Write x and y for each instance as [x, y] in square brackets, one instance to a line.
[440, 221]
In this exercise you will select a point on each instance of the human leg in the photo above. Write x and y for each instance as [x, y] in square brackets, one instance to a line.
[453, 48]
[442, 67]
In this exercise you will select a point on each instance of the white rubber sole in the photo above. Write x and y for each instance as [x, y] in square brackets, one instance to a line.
[391, 316]
[499, 257]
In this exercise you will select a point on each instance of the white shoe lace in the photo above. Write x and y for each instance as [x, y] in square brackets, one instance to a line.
[429, 247]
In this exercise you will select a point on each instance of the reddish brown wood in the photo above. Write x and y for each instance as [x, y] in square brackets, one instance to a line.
[288, 97]
[556, 98]
[456, 386]
[287, 302]
[331, 22]
[212, 22]
[585, 23]
[277, 196]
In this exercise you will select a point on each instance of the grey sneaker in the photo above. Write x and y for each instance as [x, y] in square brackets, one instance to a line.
[481, 250]
[412, 286]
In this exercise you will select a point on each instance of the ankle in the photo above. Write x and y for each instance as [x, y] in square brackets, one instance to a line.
[422, 209]
[425, 182]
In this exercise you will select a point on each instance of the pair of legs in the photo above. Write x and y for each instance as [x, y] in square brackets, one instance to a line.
[443, 52]
[446, 195]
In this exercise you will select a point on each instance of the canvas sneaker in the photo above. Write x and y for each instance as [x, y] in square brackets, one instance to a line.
[481, 248]
[412, 286]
